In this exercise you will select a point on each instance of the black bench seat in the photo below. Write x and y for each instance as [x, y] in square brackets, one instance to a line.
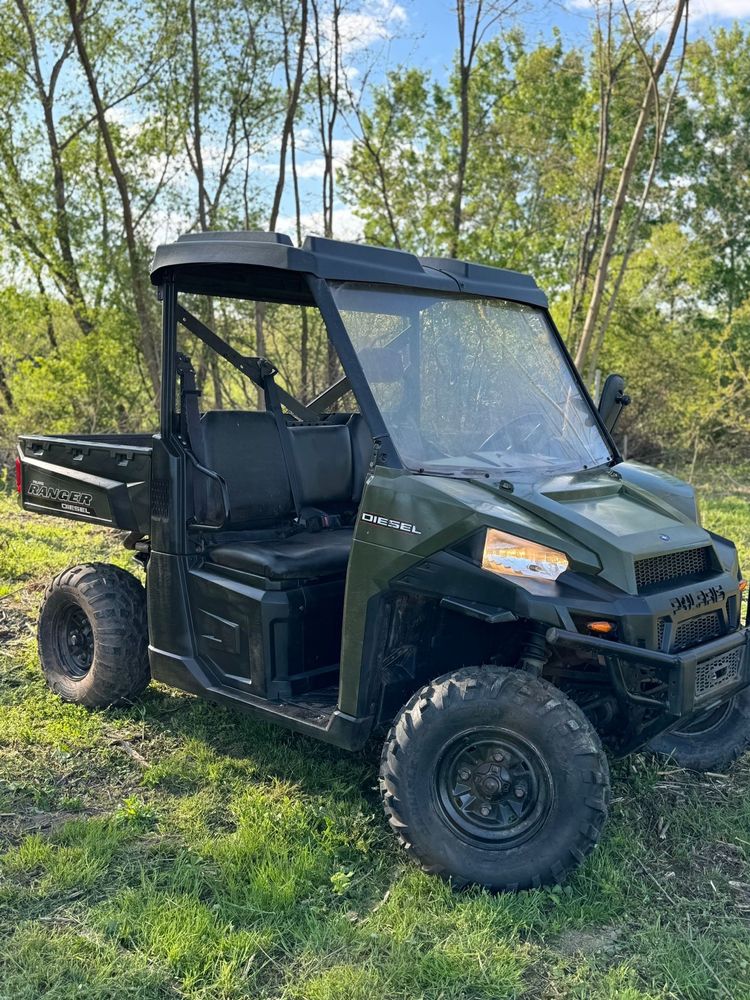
[306, 555]
[331, 460]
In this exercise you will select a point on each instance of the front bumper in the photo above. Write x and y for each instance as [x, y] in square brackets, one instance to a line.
[672, 684]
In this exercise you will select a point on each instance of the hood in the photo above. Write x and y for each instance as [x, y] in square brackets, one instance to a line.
[588, 514]
[620, 521]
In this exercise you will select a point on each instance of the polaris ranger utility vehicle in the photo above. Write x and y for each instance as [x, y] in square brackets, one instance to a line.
[459, 554]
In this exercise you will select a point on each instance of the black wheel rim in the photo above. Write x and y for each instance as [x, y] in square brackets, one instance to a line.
[75, 641]
[704, 723]
[493, 787]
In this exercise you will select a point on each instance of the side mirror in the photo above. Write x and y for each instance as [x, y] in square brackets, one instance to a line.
[612, 400]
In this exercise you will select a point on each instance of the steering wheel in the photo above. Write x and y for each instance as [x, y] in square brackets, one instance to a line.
[495, 441]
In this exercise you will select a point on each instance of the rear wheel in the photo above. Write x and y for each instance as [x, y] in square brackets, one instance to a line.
[494, 777]
[93, 636]
[710, 741]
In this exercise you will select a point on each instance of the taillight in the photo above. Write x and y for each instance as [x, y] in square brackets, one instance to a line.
[18, 474]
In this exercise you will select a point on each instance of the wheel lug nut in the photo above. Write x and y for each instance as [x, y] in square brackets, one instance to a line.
[520, 791]
[485, 810]
[498, 758]
[464, 775]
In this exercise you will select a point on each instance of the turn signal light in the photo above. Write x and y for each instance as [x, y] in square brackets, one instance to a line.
[742, 586]
[18, 474]
[602, 628]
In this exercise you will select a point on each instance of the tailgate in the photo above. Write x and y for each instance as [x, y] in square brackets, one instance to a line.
[103, 480]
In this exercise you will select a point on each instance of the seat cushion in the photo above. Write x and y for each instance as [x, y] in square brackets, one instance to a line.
[301, 557]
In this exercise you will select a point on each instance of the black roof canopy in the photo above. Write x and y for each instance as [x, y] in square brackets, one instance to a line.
[262, 265]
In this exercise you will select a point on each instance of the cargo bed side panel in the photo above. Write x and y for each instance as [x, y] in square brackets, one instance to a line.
[100, 481]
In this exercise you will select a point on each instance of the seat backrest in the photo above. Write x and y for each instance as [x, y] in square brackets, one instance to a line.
[244, 448]
[323, 453]
[332, 460]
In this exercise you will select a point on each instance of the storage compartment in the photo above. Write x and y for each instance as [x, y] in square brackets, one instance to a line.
[103, 479]
[275, 642]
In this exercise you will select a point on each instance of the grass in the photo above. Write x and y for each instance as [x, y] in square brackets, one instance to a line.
[176, 849]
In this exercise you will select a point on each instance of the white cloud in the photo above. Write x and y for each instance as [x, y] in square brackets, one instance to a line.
[719, 8]
[378, 21]
[312, 167]
[699, 9]
[346, 225]
[315, 167]
[361, 30]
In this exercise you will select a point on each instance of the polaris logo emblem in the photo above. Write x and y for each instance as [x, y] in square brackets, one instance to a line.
[698, 599]
[389, 522]
[664, 538]
[68, 499]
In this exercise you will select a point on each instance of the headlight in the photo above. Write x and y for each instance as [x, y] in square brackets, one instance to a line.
[510, 556]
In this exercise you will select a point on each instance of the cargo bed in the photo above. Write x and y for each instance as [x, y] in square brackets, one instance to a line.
[100, 478]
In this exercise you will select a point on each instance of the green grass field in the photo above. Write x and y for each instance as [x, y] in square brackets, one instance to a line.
[176, 849]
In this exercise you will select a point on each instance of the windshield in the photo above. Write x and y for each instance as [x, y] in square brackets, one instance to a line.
[466, 383]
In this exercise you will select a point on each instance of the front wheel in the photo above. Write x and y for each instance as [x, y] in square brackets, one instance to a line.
[710, 741]
[93, 636]
[492, 776]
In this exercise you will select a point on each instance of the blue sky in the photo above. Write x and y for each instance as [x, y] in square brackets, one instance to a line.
[435, 21]
[385, 33]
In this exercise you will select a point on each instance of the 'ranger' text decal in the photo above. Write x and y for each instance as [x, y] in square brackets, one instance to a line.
[68, 499]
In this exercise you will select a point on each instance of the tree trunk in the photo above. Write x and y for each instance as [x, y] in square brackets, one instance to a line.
[466, 59]
[593, 226]
[5, 393]
[293, 86]
[68, 273]
[626, 174]
[328, 95]
[195, 92]
[661, 132]
[486, 13]
[260, 345]
[51, 336]
[304, 345]
[137, 270]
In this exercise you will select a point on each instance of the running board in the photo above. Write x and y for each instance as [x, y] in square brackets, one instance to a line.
[335, 727]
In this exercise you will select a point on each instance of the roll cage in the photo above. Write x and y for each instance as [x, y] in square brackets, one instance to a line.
[266, 267]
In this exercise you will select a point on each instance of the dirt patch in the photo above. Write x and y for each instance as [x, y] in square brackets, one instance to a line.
[14, 625]
[590, 941]
[727, 859]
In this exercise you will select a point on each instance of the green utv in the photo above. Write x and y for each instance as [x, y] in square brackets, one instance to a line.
[444, 544]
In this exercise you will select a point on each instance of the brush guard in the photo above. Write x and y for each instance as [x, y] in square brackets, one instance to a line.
[667, 686]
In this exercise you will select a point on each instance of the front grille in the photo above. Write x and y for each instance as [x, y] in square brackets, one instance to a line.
[693, 631]
[718, 672]
[672, 566]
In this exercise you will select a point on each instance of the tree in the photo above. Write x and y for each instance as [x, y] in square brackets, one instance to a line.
[517, 193]
[474, 21]
[85, 29]
[655, 66]
[710, 154]
[39, 228]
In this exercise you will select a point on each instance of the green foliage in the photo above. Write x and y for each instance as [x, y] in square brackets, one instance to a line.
[78, 339]
[677, 330]
[81, 387]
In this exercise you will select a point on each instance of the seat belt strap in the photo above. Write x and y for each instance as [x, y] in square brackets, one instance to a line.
[273, 405]
[191, 429]
[190, 416]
